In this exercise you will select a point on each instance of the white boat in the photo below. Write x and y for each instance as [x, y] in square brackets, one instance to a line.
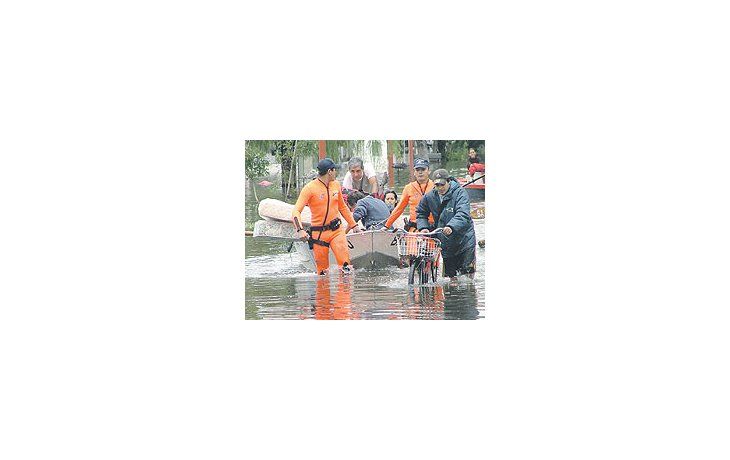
[368, 249]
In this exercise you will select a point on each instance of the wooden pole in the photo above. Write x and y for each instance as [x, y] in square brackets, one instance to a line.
[322, 149]
[391, 179]
[410, 161]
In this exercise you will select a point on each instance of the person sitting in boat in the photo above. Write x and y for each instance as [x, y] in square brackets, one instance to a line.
[368, 209]
[390, 198]
[360, 177]
[412, 194]
[448, 205]
[477, 169]
[323, 195]
[473, 157]
[475, 166]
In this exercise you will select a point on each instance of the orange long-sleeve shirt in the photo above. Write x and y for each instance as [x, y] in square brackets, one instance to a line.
[411, 195]
[324, 201]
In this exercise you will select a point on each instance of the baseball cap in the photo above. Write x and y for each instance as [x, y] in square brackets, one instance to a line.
[421, 163]
[441, 176]
[325, 165]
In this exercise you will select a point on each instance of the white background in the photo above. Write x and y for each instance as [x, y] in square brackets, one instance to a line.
[122, 331]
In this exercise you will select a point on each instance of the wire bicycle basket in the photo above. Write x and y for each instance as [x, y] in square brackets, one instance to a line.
[414, 245]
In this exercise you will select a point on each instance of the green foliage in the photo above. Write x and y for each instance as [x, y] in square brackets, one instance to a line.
[283, 150]
[459, 149]
[307, 149]
[350, 149]
[256, 164]
[333, 149]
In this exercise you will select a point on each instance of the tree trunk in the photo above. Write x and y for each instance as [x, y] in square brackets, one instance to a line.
[284, 169]
[286, 163]
[291, 168]
[253, 187]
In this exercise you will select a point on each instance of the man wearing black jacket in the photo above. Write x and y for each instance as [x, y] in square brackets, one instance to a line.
[448, 203]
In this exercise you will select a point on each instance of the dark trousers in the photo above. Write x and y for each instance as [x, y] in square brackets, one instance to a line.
[460, 264]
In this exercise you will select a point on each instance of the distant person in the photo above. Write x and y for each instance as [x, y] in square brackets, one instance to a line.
[448, 205]
[473, 157]
[360, 177]
[368, 209]
[475, 166]
[412, 194]
[390, 198]
[324, 198]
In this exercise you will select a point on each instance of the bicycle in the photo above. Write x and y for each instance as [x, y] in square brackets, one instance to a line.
[422, 254]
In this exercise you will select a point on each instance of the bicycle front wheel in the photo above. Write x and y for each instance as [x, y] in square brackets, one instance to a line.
[425, 271]
[434, 270]
[411, 271]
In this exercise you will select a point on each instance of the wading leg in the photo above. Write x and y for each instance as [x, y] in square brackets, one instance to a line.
[342, 254]
[321, 258]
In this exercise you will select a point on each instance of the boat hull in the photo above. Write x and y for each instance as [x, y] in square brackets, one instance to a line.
[475, 192]
[368, 249]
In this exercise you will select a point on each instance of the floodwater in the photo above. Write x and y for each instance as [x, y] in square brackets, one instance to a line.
[278, 286]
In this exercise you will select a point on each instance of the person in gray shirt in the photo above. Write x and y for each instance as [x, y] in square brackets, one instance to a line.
[372, 211]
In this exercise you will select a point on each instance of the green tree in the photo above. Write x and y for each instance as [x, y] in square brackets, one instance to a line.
[287, 152]
[459, 148]
[255, 163]
[284, 151]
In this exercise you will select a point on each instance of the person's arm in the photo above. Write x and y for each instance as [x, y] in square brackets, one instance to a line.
[372, 179]
[400, 207]
[359, 212]
[374, 185]
[347, 181]
[296, 214]
[422, 213]
[461, 217]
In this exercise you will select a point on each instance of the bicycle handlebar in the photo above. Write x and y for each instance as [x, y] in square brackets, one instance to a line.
[434, 232]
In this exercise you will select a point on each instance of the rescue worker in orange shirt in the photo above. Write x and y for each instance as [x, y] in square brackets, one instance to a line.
[323, 195]
[412, 194]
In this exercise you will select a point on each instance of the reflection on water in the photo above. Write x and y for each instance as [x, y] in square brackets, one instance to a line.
[278, 287]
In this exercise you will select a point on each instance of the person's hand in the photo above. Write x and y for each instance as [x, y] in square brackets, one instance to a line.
[447, 231]
[425, 230]
[355, 229]
[303, 235]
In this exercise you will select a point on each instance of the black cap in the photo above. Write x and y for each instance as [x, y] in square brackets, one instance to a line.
[421, 163]
[325, 165]
[441, 175]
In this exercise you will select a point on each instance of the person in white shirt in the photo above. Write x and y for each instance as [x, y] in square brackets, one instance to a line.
[360, 177]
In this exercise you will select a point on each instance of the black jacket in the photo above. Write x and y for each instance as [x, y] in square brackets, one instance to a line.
[454, 212]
